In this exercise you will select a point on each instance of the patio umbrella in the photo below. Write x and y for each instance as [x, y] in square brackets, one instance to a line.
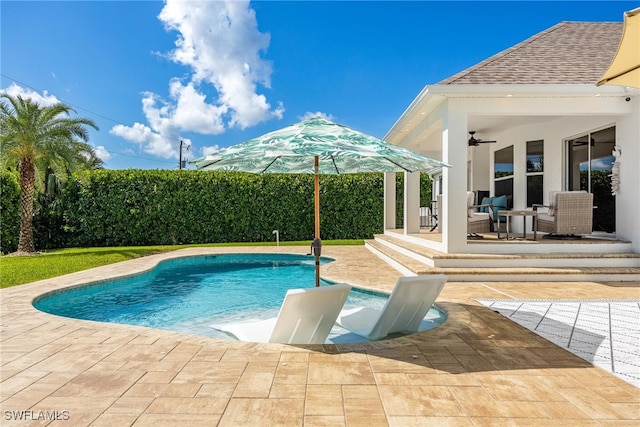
[316, 146]
[625, 67]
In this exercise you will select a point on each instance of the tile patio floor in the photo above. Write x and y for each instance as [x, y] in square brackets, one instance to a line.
[605, 333]
[477, 369]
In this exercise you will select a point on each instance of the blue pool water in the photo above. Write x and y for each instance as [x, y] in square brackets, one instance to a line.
[191, 293]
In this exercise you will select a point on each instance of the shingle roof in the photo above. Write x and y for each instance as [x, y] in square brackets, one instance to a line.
[567, 53]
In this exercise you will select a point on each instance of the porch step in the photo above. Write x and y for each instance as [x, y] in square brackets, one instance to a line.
[410, 259]
[434, 258]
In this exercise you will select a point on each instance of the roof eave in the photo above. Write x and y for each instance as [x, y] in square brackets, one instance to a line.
[425, 99]
[502, 90]
[433, 95]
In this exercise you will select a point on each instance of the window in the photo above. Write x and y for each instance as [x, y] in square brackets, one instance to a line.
[503, 172]
[535, 171]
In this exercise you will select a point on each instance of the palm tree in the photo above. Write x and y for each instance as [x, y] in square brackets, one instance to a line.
[38, 138]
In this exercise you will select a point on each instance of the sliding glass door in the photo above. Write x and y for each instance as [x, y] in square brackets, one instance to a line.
[590, 162]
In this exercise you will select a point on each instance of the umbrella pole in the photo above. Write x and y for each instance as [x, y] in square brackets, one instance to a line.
[316, 191]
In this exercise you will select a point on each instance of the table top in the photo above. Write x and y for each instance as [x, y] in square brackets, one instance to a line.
[518, 213]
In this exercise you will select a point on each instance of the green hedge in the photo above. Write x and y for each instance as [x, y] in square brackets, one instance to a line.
[158, 207]
[147, 207]
[9, 211]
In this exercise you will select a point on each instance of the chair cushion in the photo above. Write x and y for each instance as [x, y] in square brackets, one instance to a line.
[543, 216]
[485, 201]
[499, 203]
[479, 216]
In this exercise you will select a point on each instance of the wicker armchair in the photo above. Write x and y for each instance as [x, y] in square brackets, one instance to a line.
[478, 222]
[569, 213]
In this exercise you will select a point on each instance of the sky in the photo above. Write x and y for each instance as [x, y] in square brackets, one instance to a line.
[210, 74]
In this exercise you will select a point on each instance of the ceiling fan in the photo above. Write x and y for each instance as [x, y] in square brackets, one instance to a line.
[578, 143]
[592, 141]
[473, 142]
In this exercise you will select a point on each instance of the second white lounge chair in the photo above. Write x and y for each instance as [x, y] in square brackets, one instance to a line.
[408, 304]
[306, 317]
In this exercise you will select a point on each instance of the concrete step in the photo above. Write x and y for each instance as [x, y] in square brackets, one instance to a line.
[433, 258]
[412, 264]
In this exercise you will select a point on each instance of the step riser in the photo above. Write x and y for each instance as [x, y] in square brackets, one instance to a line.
[410, 239]
[392, 262]
[538, 263]
[543, 277]
[589, 262]
[420, 258]
[540, 246]
[409, 263]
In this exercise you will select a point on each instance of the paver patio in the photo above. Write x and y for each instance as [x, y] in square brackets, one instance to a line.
[477, 369]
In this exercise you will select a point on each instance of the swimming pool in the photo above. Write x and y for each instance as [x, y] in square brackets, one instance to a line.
[189, 294]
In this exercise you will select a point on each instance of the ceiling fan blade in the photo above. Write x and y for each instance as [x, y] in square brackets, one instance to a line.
[474, 142]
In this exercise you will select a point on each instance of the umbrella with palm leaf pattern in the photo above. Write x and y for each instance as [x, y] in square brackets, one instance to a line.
[316, 146]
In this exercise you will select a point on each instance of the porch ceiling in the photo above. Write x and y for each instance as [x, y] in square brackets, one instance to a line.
[428, 139]
[494, 124]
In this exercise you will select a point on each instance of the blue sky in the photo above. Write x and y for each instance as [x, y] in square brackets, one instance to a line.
[214, 74]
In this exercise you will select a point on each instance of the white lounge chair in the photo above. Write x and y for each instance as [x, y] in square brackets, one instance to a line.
[306, 317]
[408, 304]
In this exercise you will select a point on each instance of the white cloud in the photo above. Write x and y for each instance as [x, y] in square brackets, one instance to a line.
[310, 115]
[220, 43]
[210, 150]
[102, 153]
[45, 99]
[192, 111]
[158, 144]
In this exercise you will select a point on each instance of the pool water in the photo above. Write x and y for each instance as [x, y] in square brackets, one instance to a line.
[191, 293]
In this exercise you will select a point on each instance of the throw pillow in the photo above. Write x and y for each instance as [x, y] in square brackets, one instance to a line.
[486, 201]
[499, 204]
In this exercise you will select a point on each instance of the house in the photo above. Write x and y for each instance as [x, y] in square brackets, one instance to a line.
[552, 127]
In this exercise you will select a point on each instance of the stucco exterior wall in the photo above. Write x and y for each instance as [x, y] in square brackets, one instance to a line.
[628, 199]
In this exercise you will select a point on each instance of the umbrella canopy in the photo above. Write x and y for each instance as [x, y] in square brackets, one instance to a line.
[316, 146]
[293, 149]
[625, 67]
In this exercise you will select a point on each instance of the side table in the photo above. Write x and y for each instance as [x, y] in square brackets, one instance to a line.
[524, 214]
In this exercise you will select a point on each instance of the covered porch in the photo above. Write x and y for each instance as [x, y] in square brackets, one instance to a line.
[562, 121]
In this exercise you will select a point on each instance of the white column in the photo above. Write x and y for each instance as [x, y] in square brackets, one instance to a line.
[454, 153]
[411, 202]
[390, 201]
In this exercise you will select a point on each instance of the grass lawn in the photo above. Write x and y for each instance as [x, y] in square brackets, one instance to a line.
[17, 270]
